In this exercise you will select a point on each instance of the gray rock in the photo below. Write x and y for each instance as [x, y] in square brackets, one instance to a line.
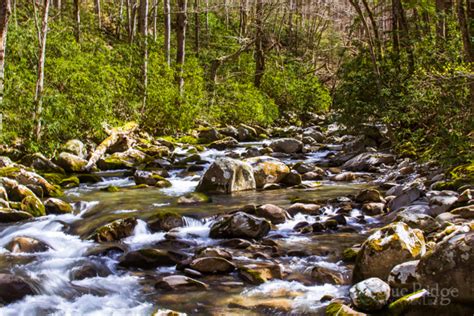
[287, 145]
[240, 225]
[370, 295]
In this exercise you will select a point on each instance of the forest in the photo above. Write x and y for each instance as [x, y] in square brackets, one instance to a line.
[236, 157]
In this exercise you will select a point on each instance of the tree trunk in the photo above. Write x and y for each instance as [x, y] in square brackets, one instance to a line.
[463, 25]
[77, 16]
[40, 81]
[259, 45]
[167, 10]
[5, 10]
[143, 29]
[98, 13]
[119, 20]
[243, 18]
[197, 27]
[155, 17]
[181, 22]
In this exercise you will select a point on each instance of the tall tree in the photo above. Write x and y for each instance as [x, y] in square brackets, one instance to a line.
[259, 44]
[77, 18]
[197, 27]
[167, 12]
[181, 22]
[98, 13]
[5, 10]
[143, 29]
[42, 35]
[464, 26]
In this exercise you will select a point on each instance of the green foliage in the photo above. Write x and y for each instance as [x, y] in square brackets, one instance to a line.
[294, 92]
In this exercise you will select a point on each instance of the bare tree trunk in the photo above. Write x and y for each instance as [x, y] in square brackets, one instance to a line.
[167, 11]
[143, 29]
[155, 17]
[15, 20]
[119, 20]
[226, 13]
[197, 27]
[98, 13]
[181, 22]
[5, 11]
[77, 15]
[243, 18]
[41, 59]
[259, 45]
[466, 37]
[208, 34]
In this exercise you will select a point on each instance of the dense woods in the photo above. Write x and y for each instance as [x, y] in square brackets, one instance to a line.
[70, 66]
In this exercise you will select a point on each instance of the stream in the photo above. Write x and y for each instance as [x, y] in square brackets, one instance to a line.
[120, 291]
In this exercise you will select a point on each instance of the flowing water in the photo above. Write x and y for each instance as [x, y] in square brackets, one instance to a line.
[121, 292]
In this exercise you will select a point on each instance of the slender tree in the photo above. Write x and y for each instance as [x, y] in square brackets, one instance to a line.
[98, 13]
[5, 11]
[42, 35]
[77, 17]
[143, 29]
[167, 12]
[197, 27]
[259, 44]
[181, 22]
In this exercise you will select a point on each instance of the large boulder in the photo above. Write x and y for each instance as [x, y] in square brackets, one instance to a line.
[152, 178]
[225, 143]
[368, 161]
[114, 231]
[212, 265]
[71, 162]
[449, 267]
[267, 170]
[147, 258]
[370, 295]
[8, 215]
[240, 225]
[29, 178]
[287, 145]
[273, 213]
[369, 195]
[405, 198]
[227, 175]
[387, 247]
[75, 147]
[57, 206]
[123, 160]
[33, 205]
[13, 288]
[418, 220]
[403, 275]
[26, 245]
[441, 201]
[165, 221]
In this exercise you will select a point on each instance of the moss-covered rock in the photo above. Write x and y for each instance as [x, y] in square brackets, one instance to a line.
[70, 182]
[111, 189]
[387, 247]
[165, 221]
[194, 198]
[19, 192]
[224, 143]
[114, 231]
[267, 170]
[370, 295]
[33, 205]
[75, 147]
[151, 178]
[71, 162]
[8, 215]
[123, 160]
[402, 305]
[339, 309]
[260, 273]
[460, 176]
[57, 206]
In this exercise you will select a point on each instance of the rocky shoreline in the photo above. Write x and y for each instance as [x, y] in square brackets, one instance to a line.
[417, 240]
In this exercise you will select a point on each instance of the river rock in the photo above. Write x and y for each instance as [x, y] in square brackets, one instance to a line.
[373, 209]
[323, 275]
[180, 282]
[387, 247]
[369, 195]
[418, 220]
[13, 288]
[19, 192]
[368, 161]
[293, 178]
[89, 270]
[57, 206]
[212, 265]
[304, 208]
[28, 178]
[407, 197]
[39, 162]
[340, 309]
[75, 147]
[466, 212]
[5, 161]
[260, 273]
[165, 221]
[227, 175]
[33, 205]
[449, 267]
[267, 170]
[441, 202]
[123, 160]
[246, 133]
[214, 252]
[152, 178]
[225, 143]
[287, 145]
[147, 258]
[370, 295]
[194, 198]
[8, 215]
[71, 162]
[273, 213]
[344, 176]
[114, 231]
[26, 245]
[240, 225]
[314, 134]
[207, 135]
[403, 275]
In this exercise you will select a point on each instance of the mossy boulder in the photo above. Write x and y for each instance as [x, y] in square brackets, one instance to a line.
[75, 147]
[40, 163]
[151, 178]
[165, 221]
[260, 273]
[114, 231]
[403, 304]
[194, 198]
[70, 182]
[387, 247]
[33, 205]
[123, 160]
[370, 295]
[8, 215]
[240, 225]
[267, 170]
[224, 143]
[111, 189]
[460, 176]
[340, 309]
[71, 162]
[29, 178]
[227, 175]
[19, 192]
[57, 206]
